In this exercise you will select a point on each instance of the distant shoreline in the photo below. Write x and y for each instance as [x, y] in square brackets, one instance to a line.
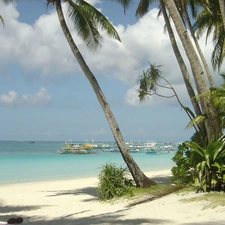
[150, 174]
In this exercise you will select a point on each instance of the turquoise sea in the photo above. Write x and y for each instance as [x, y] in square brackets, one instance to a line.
[40, 161]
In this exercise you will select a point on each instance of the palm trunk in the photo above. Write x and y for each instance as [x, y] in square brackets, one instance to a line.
[208, 73]
[183, 68]
[213, 126]
[139, 177]
[222, 10]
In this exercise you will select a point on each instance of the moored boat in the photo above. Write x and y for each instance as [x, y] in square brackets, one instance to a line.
[152, 152]
[71, 148]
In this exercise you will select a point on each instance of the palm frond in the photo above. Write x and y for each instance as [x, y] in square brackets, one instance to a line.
[195, 147]
[124, 3]
[143, 7]
[1, 18]
[197, 120]
[87, 20]
[218, 53]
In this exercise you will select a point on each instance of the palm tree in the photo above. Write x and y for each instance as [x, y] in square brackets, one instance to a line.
[141, 10]
[150, 82]
[182, 6]
[210, 20]
[218, 96]
[222, 10]
[86, 20]
[184, 71]
[212, 124]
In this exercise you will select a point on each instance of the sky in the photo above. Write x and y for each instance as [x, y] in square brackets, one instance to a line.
[44, 96]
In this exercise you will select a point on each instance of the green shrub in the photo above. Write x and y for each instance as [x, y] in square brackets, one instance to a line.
[183, 172]
[113, 182]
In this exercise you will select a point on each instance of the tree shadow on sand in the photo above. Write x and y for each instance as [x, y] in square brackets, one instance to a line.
[115, 218]
[106, 219]
[92, 191]
[162, 179]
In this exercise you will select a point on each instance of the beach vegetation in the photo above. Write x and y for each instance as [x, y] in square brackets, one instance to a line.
[89, 24]
[114, 182]
[200, 161]
[152, 82]
[182, 172]
[143, 195]
[202, 167]
[209, 165]
[213, 199]
[199, 164]
[87, 21]
[179, 14]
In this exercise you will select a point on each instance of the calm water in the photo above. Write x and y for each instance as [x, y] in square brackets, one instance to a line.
[39, 161]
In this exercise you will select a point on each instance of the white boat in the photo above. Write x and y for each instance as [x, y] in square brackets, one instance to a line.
[111, 150]
[148, 145]
[73, 151]
[152, 152]
[133, 150]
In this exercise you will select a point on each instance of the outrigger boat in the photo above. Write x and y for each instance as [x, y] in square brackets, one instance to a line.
[71, 148]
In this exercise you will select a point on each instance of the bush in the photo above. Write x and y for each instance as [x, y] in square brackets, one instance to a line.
[113, 182]
[183, 173]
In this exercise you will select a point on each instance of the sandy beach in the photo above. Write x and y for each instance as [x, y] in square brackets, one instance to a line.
[75, 202]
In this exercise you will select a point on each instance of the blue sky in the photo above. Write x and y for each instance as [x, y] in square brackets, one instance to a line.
[45, 96]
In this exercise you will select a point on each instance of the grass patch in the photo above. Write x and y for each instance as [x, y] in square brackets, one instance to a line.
[213, 199]
[143, 195]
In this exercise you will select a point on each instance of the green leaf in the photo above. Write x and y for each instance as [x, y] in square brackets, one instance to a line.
[196, 120]
[216, 164]
[195, 147]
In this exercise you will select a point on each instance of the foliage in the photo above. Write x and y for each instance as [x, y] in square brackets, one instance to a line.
[143, 195]
[209, 163]
[183, 171]
[114, 182]
[213, 199]
[202, 166]
[199, 138]
[87, 21]
[209, 22]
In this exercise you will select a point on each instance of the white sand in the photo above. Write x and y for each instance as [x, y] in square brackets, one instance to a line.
[75, 202]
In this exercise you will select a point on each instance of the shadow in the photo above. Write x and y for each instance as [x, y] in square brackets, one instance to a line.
[8, 209]
[92, 191]
[14, 211]
[162, 179]
[115, 218]
[106, 219]
[218, 222]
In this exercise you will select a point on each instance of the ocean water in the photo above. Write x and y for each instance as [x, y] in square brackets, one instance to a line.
[40, 161]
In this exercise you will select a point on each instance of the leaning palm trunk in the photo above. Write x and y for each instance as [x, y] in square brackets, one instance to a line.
[183, 68]
[222, 10]
[205, 64]
[139, 177]
[213, 126]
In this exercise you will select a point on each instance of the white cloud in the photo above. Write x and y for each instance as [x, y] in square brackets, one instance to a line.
[9, 98]
[42, 51]
[12, 99]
